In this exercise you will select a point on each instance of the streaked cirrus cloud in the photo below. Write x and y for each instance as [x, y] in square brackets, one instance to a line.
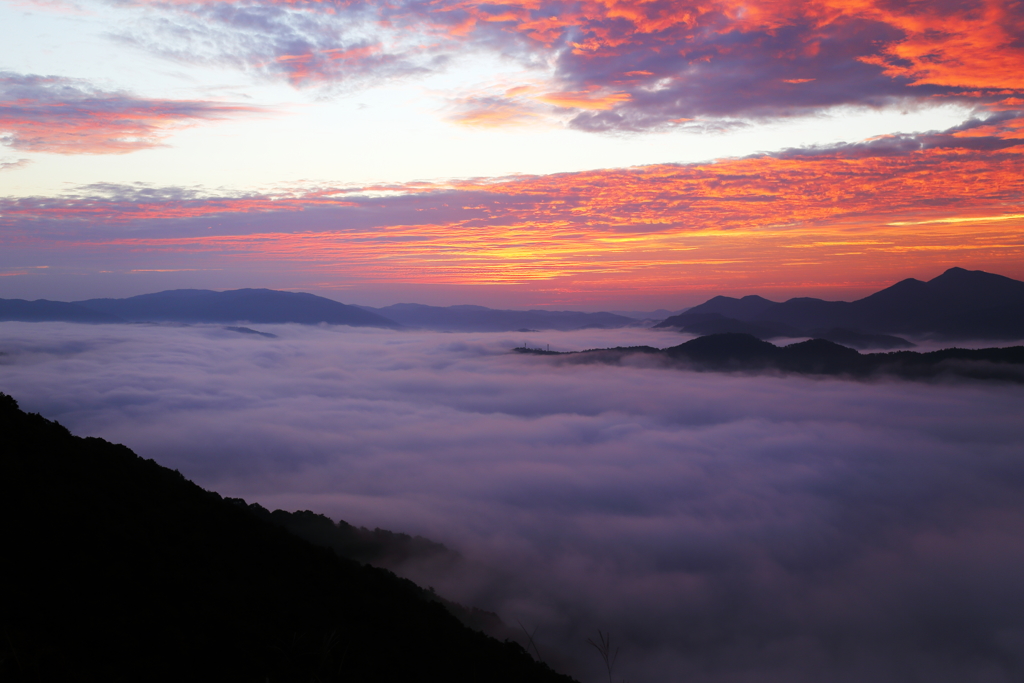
[872, 211]
[71, 116]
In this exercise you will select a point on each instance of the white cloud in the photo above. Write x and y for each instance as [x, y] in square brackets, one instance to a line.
[723, 528]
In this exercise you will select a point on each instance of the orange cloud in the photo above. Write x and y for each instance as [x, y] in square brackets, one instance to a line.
[589, 99]
[1004, 130]
[827, 220]
[491, 112]
[965, 45]
[638, 64]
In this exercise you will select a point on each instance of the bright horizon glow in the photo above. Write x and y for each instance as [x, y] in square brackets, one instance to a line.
[133, 124]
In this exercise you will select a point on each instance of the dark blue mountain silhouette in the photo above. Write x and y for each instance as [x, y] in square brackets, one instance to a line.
[239, 305]
[959, 304]
[42, 310]
[730, 352]
[482, 319]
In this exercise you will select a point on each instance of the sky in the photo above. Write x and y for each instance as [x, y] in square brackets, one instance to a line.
[559, 154]
[593, 154]
[724, 528]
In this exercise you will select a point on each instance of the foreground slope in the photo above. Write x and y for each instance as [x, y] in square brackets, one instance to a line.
[118, 569]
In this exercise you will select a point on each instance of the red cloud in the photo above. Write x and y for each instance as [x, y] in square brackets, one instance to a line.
[68, 116]
[632, 64]
[863, 213]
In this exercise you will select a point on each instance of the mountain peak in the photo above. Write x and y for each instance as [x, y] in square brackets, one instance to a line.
[956, 274]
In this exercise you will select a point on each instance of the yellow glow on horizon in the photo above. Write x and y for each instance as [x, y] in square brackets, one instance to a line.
[975, 219]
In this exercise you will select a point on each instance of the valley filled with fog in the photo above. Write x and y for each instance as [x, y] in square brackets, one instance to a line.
[722, 528]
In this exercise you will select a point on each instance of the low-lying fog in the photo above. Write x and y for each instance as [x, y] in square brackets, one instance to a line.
[722, 528]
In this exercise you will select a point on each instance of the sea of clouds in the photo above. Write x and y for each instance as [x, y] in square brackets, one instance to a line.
[723, 528]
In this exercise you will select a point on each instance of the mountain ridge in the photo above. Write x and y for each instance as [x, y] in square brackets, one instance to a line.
[44, 310]
[740, 352]
[958, 304]
[259, 306]
[471, 318]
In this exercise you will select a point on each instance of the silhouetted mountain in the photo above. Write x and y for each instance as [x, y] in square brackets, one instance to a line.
[482, 319]
[117, 569]
[744, 352]
[42, 310]
[959, 304]
[716, 323]
[378, 546]
[249, 305]
[247, 330]
[859, 340]
[659, 314]
[381, 548]
[748, 308]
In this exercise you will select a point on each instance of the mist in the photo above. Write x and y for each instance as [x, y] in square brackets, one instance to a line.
[723, 528]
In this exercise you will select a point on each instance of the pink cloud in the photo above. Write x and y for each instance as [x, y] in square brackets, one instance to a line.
[804, 218]
[636, 64]
[69, 116]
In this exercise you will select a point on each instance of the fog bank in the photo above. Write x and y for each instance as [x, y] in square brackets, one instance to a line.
[723, 528]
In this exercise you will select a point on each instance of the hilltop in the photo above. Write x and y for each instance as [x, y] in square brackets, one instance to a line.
[733, 351]
[118, 569]
[959, 304]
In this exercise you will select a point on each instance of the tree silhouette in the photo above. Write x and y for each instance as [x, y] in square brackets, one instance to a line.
[604, 648]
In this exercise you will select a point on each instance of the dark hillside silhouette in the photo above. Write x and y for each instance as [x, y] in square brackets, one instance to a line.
[746, 353]
[117, 569]
[381, 548]
[483, 319]
[959, 304]
[42, 310]
[378, 547]
[251, 305]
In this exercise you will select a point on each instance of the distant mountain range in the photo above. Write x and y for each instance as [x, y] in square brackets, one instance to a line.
[250, 305]
[959, 304]
[42, 310]
[732, 351]
[198, 306]
[482, 319]
[659, 314]
[267, 306]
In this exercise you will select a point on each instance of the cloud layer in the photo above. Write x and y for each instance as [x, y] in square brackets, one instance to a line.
[629, 64]
[723, 528]
[869, 213]
[71, 116]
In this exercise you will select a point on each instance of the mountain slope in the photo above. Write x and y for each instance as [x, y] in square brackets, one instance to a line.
[959, 304]
[482, 319]
[118, 569]
[249, 305]
[730, 352]
[42, 310]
